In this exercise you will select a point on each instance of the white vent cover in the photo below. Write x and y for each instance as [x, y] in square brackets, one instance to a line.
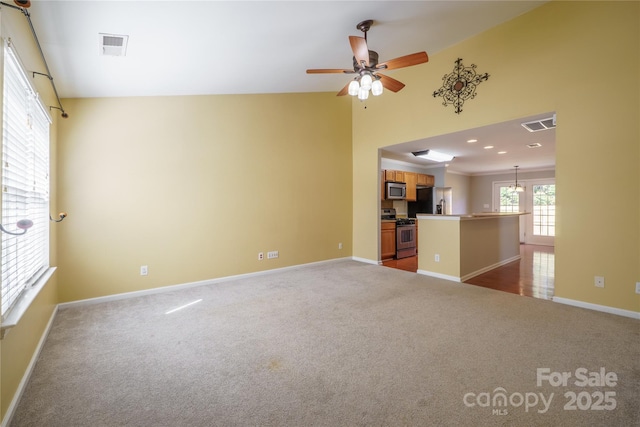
[113, 44]
[539, 125]
[534, 145]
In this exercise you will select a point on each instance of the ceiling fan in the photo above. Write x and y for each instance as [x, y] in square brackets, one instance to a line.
[367, 67]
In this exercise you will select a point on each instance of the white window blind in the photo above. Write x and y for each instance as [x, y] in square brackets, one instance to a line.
[25, 182]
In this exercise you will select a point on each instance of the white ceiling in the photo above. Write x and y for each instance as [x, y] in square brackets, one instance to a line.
[474, 159]
[243, 47]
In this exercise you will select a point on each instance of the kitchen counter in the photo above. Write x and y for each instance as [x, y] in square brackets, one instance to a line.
[459, 247]
[465, 217]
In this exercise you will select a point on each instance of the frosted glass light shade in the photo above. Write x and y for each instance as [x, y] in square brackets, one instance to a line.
[376, 88]
[363, 94]
[354, 87]
[365, 81]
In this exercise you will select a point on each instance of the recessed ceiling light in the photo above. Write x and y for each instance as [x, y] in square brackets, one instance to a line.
[472, 141]
[502, 152]
[488, 147]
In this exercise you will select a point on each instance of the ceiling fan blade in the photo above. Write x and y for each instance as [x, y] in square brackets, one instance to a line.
[360, 49]
[344, 90]
[405, 61]
[389, 83]
[330, 70]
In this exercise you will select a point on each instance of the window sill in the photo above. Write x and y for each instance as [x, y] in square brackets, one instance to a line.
[22, 305]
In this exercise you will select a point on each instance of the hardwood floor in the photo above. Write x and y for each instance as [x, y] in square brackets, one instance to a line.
[532, 275]
[408, 264]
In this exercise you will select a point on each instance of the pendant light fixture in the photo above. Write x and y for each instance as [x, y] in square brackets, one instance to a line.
[516, 187]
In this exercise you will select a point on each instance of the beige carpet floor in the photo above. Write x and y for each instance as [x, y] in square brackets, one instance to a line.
[335, 344]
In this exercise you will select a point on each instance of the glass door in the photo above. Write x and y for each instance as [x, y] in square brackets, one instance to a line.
[541, 224]
[538, 198]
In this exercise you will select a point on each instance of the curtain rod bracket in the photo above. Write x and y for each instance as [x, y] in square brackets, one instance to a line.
[64, 113]
[42, 74]
[61, 215]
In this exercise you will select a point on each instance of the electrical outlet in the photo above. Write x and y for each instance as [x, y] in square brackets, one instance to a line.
[272, 254]
[144, 270]
[260, 256]
[637, 287]
[599, 281]
[339, 245]
[437, 258]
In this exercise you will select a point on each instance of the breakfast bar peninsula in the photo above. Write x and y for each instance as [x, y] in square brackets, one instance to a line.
[459, 247]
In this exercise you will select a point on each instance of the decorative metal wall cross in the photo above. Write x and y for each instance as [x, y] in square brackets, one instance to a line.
[460, 85]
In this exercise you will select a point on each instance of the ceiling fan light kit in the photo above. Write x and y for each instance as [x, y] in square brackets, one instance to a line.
[366, 66]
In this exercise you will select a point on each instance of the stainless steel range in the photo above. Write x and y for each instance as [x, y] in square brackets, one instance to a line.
[405, 233]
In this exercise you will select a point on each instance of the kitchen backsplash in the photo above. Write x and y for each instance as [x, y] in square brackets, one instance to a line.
[400, 206]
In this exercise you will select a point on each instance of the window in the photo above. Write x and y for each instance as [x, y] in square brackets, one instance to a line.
[25, 182]
[509, 199]
[544, 210]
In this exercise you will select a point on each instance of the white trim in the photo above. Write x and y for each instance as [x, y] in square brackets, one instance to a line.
[439, 275]
[490, 267]
[598, 307]
[24, 301]
[509, 171]
[27, 373]
[171, 288]
[365, 260]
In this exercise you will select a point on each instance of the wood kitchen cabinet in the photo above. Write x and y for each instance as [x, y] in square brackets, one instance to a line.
[411, 178]
[387, 240]
[425, 180]
[393, 175]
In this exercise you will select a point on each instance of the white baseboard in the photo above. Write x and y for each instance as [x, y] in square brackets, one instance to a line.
[365, 260]
[171, 288]
[439, 275]
[488, 268]
[597, 307]
[470, 275]
[27, 374]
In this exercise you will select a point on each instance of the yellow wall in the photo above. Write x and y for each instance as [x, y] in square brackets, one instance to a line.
[487, 242]
[441, 237]
[19, 344]
[194, 187]
[580, 59]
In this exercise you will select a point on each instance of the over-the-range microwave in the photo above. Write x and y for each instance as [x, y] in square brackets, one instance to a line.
[396, 190]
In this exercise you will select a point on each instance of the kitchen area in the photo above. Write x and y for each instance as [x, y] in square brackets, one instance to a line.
[423, 229]
[404, 195]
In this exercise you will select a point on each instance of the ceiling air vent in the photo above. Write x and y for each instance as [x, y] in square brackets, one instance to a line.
[113, 44]
[534, 145]
[539, 125]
